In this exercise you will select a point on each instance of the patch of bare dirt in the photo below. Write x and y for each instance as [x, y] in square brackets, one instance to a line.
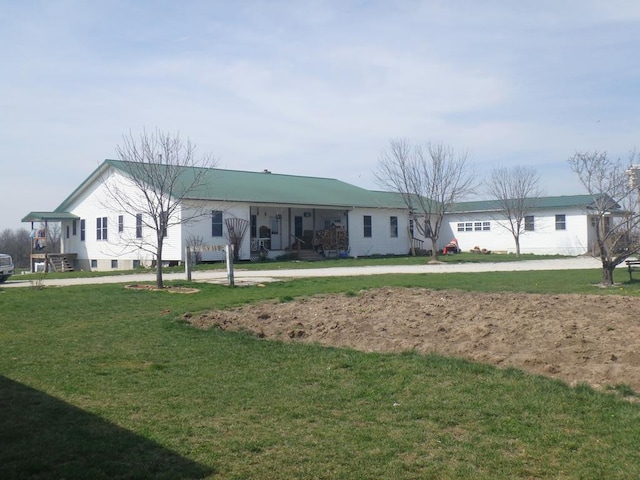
[576, 338]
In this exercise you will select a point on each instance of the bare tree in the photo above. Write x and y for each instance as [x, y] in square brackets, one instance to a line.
[516, 190]
[17, 244]
[236, 230]
[163, 171]
[614, 211]
[53, 235]
[430, 179]
[194, 242]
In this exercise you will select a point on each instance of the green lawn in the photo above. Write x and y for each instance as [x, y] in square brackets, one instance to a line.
[103, 382]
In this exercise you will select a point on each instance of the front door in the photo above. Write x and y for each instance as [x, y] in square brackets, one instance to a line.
[298, 227]
[276, 238]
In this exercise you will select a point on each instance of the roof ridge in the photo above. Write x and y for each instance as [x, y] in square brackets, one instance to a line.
[249, 172]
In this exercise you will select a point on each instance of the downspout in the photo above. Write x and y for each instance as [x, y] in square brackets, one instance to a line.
[346, 229]
[313, 227]
[289, 228]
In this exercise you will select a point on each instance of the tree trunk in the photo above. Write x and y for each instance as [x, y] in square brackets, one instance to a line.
[607, 274]
[159, 283]
[517, 246]
[434, 250]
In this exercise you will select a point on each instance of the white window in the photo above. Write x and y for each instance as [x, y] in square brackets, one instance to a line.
[139, 225]
[164, 219]
[393, 224]
[368, 229]
[101, 228]
[216, 223]
[561, 222]
[473, 226]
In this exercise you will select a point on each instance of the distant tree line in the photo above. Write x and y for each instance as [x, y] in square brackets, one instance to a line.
[17, 244]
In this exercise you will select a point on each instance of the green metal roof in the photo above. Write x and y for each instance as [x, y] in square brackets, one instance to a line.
[49, 216]
[273, 188]
[237, 186]
[259, 187]
[563, 201]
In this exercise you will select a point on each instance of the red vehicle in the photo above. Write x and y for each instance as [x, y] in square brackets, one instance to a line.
[452, 247]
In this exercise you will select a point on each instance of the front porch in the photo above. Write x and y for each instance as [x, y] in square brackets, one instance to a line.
[307, 233]
[47, 245]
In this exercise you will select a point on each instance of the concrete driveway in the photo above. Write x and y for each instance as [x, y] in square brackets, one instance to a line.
[243, 277]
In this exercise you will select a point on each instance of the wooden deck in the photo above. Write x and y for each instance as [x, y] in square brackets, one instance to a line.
[53, 262]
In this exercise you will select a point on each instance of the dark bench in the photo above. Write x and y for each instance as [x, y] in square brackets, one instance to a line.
[631, 266]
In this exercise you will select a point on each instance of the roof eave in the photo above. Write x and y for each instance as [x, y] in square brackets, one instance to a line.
[49, 217]
[90, 179]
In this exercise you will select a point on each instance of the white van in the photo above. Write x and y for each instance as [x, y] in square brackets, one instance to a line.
[6, 267]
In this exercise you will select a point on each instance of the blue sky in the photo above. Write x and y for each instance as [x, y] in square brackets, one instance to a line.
[312, 87]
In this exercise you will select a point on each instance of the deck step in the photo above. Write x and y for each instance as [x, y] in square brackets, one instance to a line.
[308, 256]
[60, 264]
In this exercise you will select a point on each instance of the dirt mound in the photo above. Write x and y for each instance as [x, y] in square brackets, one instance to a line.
[576, 338]
[153, 288]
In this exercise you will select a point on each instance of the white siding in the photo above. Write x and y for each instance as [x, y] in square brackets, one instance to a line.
[201, 228]
[95, 203]
[381, 242]
[544, 239]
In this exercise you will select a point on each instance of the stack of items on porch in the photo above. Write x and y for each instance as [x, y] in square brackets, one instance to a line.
[332, 242]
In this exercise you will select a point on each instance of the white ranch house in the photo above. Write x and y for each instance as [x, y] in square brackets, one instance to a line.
[286, 214]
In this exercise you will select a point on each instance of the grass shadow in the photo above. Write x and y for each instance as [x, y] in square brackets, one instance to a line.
[43, 437]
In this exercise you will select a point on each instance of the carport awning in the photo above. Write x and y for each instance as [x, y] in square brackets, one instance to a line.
[49, 217]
